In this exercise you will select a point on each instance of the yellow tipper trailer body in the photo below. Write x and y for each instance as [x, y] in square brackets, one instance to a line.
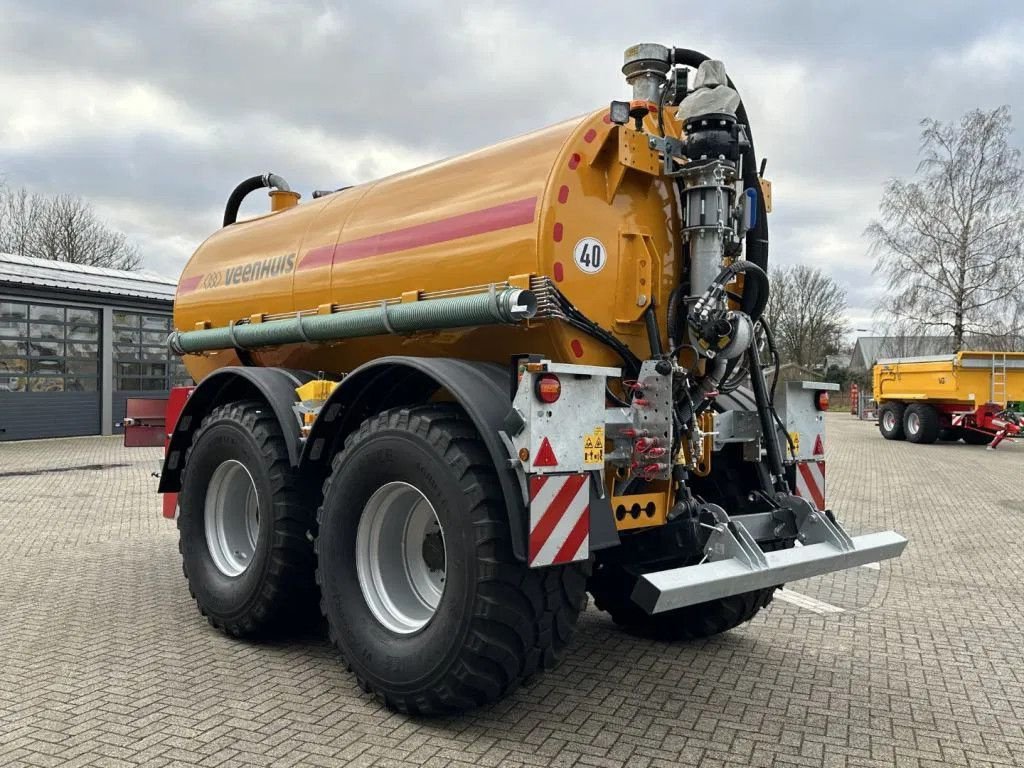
[965, 379]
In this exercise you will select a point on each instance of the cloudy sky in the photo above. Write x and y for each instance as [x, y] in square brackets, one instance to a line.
[154, 110]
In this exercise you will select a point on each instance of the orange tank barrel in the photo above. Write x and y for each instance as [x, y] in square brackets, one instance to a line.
[574, 203]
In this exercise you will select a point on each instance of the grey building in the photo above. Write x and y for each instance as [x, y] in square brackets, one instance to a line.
[868, 349]
[76, 342]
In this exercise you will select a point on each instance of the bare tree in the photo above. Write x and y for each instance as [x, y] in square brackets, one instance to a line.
[901, 338]
[19, 219]
[62, 228]
[1005, 334]
[951, 243]
[806, 311]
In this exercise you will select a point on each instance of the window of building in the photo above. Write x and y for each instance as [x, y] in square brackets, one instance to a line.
[141, 358]
[48, 348]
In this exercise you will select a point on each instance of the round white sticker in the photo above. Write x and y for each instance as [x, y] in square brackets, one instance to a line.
[590, 255]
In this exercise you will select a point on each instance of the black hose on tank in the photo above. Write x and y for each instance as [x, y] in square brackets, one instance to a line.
[765, 412]
[757, 236]
[250, 185]
[755, 292]
[755, 286]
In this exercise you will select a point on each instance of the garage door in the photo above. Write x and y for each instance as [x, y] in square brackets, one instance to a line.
[143, 366]
[49, 370]
[30, 415]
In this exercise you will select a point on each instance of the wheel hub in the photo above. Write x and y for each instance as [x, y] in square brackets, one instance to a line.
[400, 557]
[232, 518]
[913, 423]
[433, 551]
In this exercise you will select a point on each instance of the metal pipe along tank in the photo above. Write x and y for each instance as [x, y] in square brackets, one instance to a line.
[507, 306]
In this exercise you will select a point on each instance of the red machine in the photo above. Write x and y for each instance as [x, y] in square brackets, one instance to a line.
[149, 422]
[988, 420]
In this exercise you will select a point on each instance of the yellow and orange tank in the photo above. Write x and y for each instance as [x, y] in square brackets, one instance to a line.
[515, 209]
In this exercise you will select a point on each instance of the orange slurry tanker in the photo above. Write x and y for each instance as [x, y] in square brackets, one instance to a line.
[444, 406]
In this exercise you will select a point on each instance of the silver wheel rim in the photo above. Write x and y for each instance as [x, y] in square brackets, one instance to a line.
[400, 557]
[232, 518]
[913, 423]
[889, 421]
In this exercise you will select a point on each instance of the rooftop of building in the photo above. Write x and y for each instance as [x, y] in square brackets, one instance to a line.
[78, 278]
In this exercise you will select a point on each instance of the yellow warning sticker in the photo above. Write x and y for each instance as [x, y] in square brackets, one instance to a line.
[795, 437]
[593, 447]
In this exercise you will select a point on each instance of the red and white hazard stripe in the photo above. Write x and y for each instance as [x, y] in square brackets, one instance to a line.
[810, 482]
[559, 519]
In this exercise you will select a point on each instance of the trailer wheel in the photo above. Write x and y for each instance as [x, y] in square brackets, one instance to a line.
[974, 437]
[890, 421]
[611, 586]
[243, 524]
[421, 591]
[921, 423]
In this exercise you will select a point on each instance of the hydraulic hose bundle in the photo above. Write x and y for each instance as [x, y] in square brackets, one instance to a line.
[718, 140]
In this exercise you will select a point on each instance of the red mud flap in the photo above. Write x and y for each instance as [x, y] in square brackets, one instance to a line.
[679, 587]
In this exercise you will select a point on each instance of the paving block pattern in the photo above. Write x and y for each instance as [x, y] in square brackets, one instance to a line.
[104, 660]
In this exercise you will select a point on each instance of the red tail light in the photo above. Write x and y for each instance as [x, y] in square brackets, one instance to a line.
[822, 402]
[548, 388]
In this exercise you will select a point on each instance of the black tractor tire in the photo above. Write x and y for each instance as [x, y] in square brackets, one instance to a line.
[921, 423]
[276, 591]
[496, 622]
[611, 586]
[973, 437]
[890, 421]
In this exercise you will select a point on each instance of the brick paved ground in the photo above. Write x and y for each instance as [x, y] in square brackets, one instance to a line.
[105, 661]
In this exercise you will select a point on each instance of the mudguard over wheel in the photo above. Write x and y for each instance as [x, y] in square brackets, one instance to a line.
[921, 423]
[421, 591]
[890, 421]
[611, 585]
[244, 524]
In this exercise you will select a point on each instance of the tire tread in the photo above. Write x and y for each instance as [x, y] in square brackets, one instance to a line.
[289, 592]
[612, 586]
[897, 409]
[929, 423]
[523, 618]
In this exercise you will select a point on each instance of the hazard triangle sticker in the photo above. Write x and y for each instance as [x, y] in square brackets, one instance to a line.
[819, 447]
[545, 455]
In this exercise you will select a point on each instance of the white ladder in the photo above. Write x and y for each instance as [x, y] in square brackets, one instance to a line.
[998, 384]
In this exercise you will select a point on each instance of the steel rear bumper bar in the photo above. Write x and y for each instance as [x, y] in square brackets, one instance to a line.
[679, 587]
[735, 563]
